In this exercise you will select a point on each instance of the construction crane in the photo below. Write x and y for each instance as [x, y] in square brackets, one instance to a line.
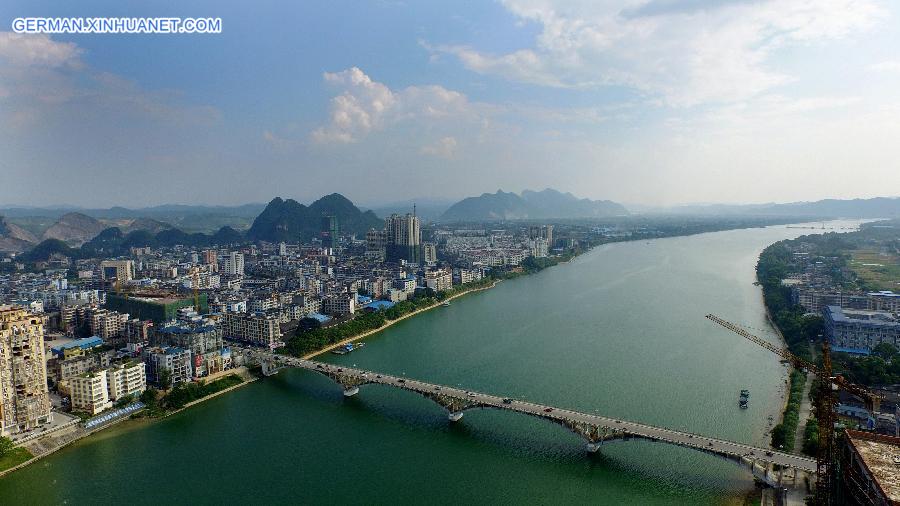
[826, 402]
[195, 284]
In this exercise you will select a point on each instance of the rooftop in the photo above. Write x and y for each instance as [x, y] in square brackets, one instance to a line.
[879, 453]
[843, 315]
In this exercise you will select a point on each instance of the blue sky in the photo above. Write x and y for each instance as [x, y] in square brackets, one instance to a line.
[642, 101]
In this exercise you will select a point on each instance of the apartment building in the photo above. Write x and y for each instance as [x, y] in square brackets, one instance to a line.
[89, 392]
[439, 280]
[126, 379]
[24, 398]
[254, 328]
[858, 331]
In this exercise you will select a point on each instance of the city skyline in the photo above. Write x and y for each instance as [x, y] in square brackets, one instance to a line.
[655, 103]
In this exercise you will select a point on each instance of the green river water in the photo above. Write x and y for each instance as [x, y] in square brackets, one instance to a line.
[619, 331]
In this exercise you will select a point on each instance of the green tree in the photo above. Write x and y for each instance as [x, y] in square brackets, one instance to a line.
[6, 446]
[887, 351]
[165, 378]
[150, 398]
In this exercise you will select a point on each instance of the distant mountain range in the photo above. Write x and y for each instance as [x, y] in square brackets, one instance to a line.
[426, 209]
[77, 234]
[546, 204]
[13, 237]
[81, 234]
[878, 207]
[189, 218]
[288, 220]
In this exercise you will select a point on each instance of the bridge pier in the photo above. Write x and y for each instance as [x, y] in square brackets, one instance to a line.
[592, 447]
[269, 368]
[455, 416]
[351, 391]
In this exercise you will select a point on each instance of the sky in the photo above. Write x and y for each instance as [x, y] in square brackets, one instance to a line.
[655, 102]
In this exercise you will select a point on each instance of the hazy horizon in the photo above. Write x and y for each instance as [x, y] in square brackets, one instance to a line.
[649, 102]
[423, 201]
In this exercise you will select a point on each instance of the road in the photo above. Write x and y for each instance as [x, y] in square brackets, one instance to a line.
[699, 442]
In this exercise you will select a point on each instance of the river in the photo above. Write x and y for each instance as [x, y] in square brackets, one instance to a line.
[619, 331]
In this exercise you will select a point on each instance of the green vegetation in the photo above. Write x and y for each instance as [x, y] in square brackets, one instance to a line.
[876, 269]
[6, 446]
[811, 437]
[124, 401]
[872, 370]
[165, 378]
[783, 433]
[797, 328]
[184, 393]
[311, 337]
[14, 457]
[150, 398]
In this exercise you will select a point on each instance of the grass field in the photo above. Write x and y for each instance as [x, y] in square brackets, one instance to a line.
[877, 271]
[14, 458]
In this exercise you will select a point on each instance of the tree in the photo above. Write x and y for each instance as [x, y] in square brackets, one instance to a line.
[124, 401]
[165, 378]
[149, 397]
[6, 446]
[886, 351]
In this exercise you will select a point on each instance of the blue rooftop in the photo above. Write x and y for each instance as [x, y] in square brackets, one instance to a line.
[319, 316]
[381, 304]
[84, 343]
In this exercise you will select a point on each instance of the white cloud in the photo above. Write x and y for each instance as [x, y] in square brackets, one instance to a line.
[41, 78]
[38, 50]
[365, 106]
[886, 66]
[688, 53]
[444, 148]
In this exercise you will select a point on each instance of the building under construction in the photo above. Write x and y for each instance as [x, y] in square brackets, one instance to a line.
[157, 306]
[870, 469]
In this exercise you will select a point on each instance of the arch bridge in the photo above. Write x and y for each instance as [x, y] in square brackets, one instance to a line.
[775, 468]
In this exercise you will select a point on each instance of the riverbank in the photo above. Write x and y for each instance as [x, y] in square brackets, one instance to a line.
[387, 324]
[43, 447]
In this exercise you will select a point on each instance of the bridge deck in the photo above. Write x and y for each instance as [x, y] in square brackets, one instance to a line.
[717, 446]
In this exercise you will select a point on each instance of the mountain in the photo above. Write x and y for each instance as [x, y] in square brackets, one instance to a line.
[14, 238]
[427, 209]
[46, 249]
[288, 220]
[186, 217]
[546, 204]
[149, 224]
[74, 229]
[878, 207]
[113, 242]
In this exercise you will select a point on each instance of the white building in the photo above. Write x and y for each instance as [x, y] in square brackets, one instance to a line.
[439, 280]
[339, 304]
[90, 392]
[233, 263]
[126, 379]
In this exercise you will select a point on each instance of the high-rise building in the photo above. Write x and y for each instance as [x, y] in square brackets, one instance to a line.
[330, 231]
[256, 329]
[210, 257]
[429, 253]
[89, 392]
[403, 238]
[375, 243]
[542, 232]
[282, 249]
[24, 399]
[233, 264]
[120, 270]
